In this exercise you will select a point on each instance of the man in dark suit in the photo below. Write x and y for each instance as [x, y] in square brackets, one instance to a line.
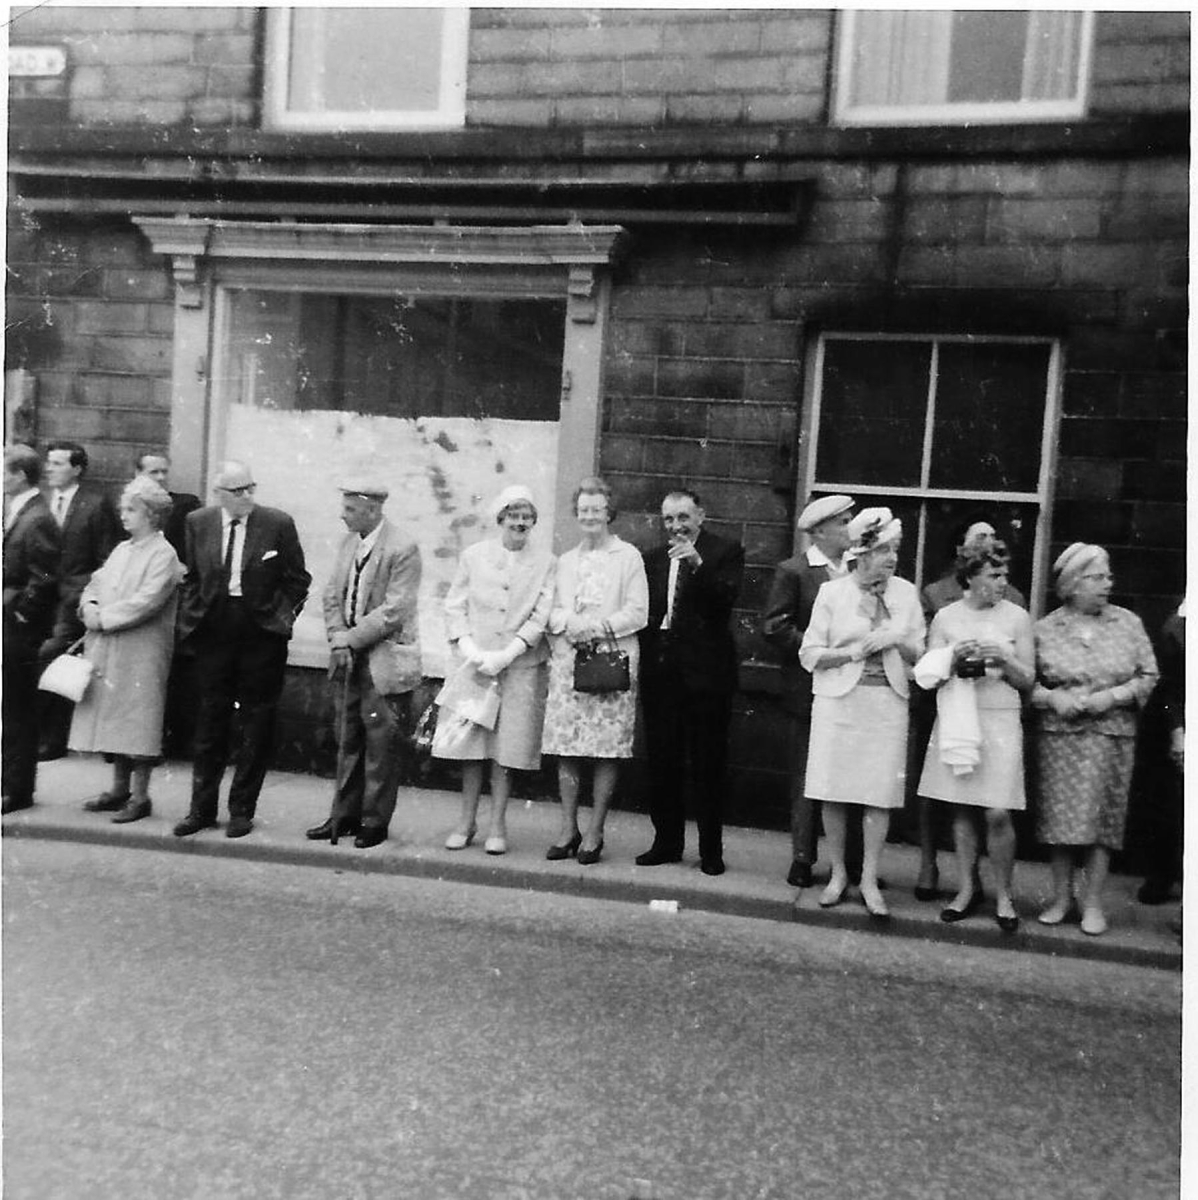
[787, 612]
[90, 529]
[688, 675]
[32, 548]
[158, 468]
[245, 585]
[374, 645]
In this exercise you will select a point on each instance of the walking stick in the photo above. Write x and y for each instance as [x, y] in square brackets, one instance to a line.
[342, 729]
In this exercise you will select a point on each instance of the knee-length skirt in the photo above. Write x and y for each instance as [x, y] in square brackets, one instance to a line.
[1084, 780]
[997, 780]
[515, 742]
[586, 725]
[858, 750]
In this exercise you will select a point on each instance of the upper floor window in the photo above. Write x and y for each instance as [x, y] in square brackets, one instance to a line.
[952, 67]
[366, 68]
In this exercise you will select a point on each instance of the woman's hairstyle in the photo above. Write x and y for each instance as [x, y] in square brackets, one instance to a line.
[1073, 563]
[154, 499]
[973, 559]
[594, 486]
[25, 459]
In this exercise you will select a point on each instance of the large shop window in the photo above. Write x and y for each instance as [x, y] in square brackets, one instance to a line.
[940, 430]
[366, 68]
[949, 67]
[448, 362]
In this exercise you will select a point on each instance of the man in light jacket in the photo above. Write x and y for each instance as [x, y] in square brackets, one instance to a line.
[370, 616]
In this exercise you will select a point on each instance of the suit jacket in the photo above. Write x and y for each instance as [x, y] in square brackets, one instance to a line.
[784, 620]
[274, 582]
[698, 649]
[32, 554]
[387, 632]
[90, 531]
[837, 621]
[182, 505]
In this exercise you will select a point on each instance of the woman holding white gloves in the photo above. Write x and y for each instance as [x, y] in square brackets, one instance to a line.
[496, 610]
[866, 631]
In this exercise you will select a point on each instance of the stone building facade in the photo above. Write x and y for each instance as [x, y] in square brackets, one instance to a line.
[698, 254]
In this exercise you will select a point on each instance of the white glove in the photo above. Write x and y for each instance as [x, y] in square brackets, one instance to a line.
[469, 650]
[494, 661]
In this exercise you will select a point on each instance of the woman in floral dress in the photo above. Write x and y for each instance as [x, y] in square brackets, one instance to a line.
[601, 594]
[1094, 672]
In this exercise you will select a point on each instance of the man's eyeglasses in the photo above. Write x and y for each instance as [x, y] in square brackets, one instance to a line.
[246, 489]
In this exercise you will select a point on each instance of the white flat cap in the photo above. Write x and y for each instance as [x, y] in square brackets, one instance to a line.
[820, 510]
[371, 489]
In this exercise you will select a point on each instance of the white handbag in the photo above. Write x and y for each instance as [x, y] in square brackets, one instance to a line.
[68, 675]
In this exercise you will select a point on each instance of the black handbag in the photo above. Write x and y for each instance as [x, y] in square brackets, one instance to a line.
[425, 731]
[600, 668]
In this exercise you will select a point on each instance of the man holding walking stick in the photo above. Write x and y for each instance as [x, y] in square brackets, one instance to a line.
[374, 663]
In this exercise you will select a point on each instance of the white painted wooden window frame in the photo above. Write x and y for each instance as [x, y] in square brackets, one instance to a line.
[1046, 437]
[449, 114]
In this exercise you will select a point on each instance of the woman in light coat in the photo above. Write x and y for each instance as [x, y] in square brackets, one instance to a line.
[128, 609]
[496, 610]
[866, 631]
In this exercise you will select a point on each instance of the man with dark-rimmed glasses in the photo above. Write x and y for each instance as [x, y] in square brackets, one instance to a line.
[245, 585]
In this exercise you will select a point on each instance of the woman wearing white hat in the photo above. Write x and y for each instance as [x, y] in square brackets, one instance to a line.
[866, 631]
[496, 610]
[1095, 670]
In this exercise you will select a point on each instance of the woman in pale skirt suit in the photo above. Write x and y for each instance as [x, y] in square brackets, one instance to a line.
[128, 609]
[983, 632]
[866, 630]
[496, 610]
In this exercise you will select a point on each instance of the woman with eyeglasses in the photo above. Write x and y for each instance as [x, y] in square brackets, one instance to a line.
[866, 631]
[601, 596]
[1095, 670]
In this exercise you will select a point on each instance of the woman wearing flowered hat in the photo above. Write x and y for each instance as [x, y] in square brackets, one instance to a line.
[866, 631]
[1094, 672]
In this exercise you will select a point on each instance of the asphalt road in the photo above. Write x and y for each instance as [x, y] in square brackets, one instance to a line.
[177, 1027]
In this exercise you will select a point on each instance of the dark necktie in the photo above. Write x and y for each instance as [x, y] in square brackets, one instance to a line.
[359, 565]
[229, 549]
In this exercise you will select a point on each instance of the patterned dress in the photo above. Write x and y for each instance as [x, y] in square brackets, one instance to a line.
[607, 584]
[1085, 762]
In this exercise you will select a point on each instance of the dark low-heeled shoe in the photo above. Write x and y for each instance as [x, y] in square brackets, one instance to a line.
[330, 830]
[1007, 924]
[951, 915]
[371, 835]
[107, 802]
[133, 810]
[565, 849]
[587, 857]
[931, 892]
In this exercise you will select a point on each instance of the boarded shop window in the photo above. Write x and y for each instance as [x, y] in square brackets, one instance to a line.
[445, 399]
[366, 68]
[902, 67]
[941, 430]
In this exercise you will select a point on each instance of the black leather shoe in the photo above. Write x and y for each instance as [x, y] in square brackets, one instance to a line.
[1008, 924]
[712, 866]
[950, 916]
[1154, 891]
[372, 835]
[324, 831]
[238, 827]
[107, 802]
[799, 874]
[192, 824]
[11, 804]
[587, 857]
[564, 849]
[655, 856]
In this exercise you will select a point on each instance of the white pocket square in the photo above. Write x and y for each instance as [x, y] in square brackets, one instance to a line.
[270, 554]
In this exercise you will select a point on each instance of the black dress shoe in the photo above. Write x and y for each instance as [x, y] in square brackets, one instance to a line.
[238, 827]
[192, 824]
[564, 849]
[1154, 891]
[587, 857]
[712, 866]
[950, 915]
[799, 874]
[655, 856]
[1008, 924]
[324, 832]
[107, 802]
[11, 804]
[372, 835]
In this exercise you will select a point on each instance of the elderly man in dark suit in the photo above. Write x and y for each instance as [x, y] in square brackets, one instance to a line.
[374, 654]
[688, 675]
[796, 582]
[32, 548]
[245, 586]
[90, 529]
[158, 468]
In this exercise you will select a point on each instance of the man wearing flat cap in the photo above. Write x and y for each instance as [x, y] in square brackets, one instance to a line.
[245, 585]
[374, 662]
[787, 612]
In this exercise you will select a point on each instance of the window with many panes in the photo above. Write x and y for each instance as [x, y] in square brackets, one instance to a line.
[942, 430]
[366, 68]
[903, 67]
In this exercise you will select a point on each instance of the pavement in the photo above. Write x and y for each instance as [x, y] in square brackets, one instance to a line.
[753, 886]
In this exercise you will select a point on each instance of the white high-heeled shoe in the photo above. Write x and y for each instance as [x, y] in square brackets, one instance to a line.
[458, 840]
[495, 845]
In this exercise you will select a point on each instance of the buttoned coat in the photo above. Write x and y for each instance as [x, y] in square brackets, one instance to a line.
[838, 621]
[499, 594]
[784, 620]
[32, 552]
[388, 632]
[274, 581]
[89, 532]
